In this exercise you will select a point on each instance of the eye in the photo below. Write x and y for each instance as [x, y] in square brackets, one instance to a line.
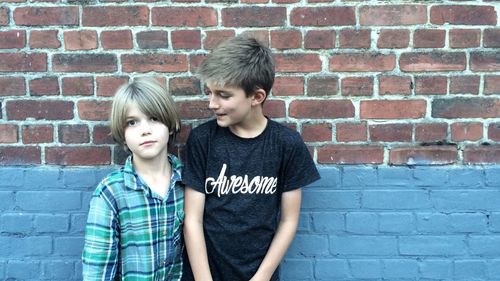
[131, 123]
[153, 119]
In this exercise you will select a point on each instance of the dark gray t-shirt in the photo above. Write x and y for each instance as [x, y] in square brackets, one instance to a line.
[243, 180]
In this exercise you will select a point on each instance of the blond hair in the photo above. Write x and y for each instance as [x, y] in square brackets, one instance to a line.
[240, 62]
[152, 99]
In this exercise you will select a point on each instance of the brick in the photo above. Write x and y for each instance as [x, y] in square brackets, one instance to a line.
[102, 135]
[400, 223]
[391, 132]
[4, 16]
[466, 131]
[152, 39]
[44, 39]
[463, 15]
[464, 84]
[37, 134]
[320, 39]
[8, 133]
[275, 109]
[491, 85]
[395, 199]
[45, 86]
[395, 85]
[7, 200]
[393, 39]
[347, 132]
[468, 223]
[39, 109]
[316, 132]
[12, 86]
[355, 39]
[322, 16]
[296, 268]
[78, 222]
[51, 223]
[431, 132]
[322, 86]
[77, 86]
[16, 223]
[194, 109]
[436, 269]
[485, 61]
[154, 62]
[388, 15]
[86, 156]
[465, 200]
[12, 39]
[184, 16]
[494, 132]
[286, 39]
[68, 246]
[423, 155]
[184, 86]
[491, 38]
[431, 223]
[116, 39]
[27, 155]
[429, 38]
[214, 37]
[43, 16]
[297, 63]
[94, 110]
[399, 268]
[357, 86]
[362, 222]
[362, 62]
[108, 85]
[331, 269]
[79, 40]
[365, 268]
[366, 245]
[22, 270]
[306, 245]
[431, 85]
[58, 270]
[350, 154]
[435, 61]
[469, 269]
[392, 109]
[328, 222]
[288, 86]
[69, 134]
[23, 62]
[115, 16]
[482, 155]
[465, 38]
[186, 39]
[84, 63]
[321, 109]
[466, 108]
[431, 176]
[253, 16]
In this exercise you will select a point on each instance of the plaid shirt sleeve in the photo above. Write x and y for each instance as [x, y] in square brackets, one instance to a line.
[100, 253]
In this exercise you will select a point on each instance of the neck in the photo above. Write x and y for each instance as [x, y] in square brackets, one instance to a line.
[252, 127]
[153, 168]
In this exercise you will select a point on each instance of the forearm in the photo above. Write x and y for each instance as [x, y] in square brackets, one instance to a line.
[279, 245]
[197, 250]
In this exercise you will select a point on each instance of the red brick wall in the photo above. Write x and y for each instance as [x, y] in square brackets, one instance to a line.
[363, 82]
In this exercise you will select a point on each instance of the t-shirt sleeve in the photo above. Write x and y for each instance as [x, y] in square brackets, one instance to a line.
[195, 154]
[300, 169]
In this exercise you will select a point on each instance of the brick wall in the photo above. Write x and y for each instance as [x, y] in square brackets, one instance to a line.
[395, 100]
[363, 82]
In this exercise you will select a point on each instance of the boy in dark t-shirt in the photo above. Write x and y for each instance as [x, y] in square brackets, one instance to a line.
[243, 172]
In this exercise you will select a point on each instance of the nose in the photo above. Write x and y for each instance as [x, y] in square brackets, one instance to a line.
[146, 127]
[212, 102]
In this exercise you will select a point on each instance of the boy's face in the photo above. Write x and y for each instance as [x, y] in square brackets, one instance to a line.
[231, 106]
[145, 136]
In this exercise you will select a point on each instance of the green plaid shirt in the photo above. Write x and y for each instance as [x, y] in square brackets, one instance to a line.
[132, 233]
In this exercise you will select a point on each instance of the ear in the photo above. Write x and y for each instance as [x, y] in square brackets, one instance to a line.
[258, 97]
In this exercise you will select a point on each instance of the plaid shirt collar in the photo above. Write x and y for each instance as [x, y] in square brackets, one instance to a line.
[133, 181]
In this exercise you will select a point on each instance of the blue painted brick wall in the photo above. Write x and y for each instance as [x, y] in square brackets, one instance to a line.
[357, 223]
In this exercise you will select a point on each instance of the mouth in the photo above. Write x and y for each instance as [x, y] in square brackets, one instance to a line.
[147, 143]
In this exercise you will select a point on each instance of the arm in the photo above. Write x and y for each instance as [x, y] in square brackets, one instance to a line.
[194, 204]
[289, 218]
[100, 253]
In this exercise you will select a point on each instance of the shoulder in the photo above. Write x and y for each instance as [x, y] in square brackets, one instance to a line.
[285, 134]
[111, 185]
[203, 131]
